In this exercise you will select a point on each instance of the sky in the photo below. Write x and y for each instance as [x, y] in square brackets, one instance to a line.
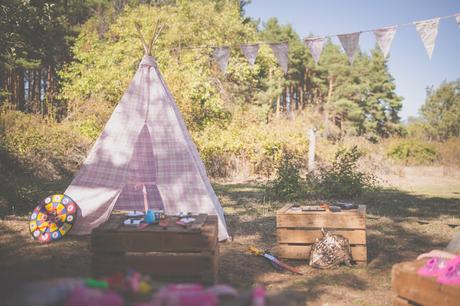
[408, 61]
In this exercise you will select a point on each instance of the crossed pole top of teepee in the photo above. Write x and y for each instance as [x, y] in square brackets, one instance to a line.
[159, 26]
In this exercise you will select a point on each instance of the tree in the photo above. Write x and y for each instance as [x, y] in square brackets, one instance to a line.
[105, 64]
[441, 111]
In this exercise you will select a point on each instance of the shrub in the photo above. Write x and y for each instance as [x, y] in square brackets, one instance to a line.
[258, 145]
[412, 152]
[46, 148]
[288, 184]
[343, 178]
[340, 179]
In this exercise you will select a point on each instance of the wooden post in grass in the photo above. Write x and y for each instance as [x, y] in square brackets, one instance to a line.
[311, 149]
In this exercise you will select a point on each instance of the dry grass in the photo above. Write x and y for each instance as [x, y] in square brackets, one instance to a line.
[401, 223]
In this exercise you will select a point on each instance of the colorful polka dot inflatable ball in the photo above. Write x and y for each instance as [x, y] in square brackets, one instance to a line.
[53, 218]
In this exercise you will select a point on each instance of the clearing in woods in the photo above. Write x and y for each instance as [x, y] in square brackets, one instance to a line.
[420, 215]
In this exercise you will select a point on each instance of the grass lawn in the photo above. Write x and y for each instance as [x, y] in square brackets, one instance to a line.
[402, 223]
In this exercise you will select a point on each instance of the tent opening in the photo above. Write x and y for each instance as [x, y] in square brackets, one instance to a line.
[141, 171]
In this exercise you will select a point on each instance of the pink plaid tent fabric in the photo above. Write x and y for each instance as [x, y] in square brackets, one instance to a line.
[144, 141]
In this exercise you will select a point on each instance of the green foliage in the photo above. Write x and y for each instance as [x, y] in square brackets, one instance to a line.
[105, 65]
[412, 152]
[289, 184]
[343, 178]
[441, 111]
[361, 98]
[250, 140]
[46, 148]
[340, 179]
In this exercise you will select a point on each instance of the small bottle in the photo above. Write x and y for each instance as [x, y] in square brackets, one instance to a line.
[149, 217]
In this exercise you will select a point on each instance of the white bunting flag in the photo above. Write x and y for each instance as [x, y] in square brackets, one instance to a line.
[221, 55]
[384, 39]
[281, 53]
[428, 30]
[350, 43]
[316, 45]
[250, 52]
[457, 17]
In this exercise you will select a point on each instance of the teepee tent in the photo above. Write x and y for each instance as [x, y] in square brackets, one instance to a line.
[146, 144]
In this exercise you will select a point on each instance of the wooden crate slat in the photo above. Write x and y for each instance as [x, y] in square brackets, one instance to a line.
[146, 242]
[113, 223]
[409, 285]
[163, 266]
[159, 241]
[294, 235]
[172, 226]
[286, 210]
[291, 251]
[199, 221]
[188, 254]
[326, 220]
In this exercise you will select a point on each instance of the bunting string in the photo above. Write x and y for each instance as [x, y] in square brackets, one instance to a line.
[427, 29]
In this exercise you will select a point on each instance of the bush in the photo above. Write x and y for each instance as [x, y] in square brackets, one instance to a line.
[255, 145]
[341, 179]
[412, 152]
[288, 184]
[46, 148]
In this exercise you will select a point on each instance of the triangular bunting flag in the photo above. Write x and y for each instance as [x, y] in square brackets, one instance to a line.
[281, 53]
[428, 30]
[384, 39]
[457, 17]
[350, 44]
[316, 45]
[250, 52]
[221, 55]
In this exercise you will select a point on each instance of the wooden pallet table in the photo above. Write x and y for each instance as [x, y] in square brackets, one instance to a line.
[297, 230]
[174, 253]
[413, 289]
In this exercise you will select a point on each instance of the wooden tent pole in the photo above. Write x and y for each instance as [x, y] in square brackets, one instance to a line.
[156, 34]
[144, 44]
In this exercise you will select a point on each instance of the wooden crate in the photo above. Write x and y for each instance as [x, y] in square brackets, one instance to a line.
[297, 230]
[175, 253]
[413, 289]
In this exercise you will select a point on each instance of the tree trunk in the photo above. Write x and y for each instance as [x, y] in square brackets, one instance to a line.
[331, 80]
[49, 91]
[278, 105]
[285, 99]
[300, 92]
[37, 86]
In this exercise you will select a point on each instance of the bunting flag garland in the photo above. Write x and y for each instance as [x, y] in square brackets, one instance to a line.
[281, 53]
[250, 52]
[350, 43]
[384, 39]
[428, 30]
[316, 45]
[221, 55]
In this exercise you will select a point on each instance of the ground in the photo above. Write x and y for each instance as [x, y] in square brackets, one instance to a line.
[417, 211]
